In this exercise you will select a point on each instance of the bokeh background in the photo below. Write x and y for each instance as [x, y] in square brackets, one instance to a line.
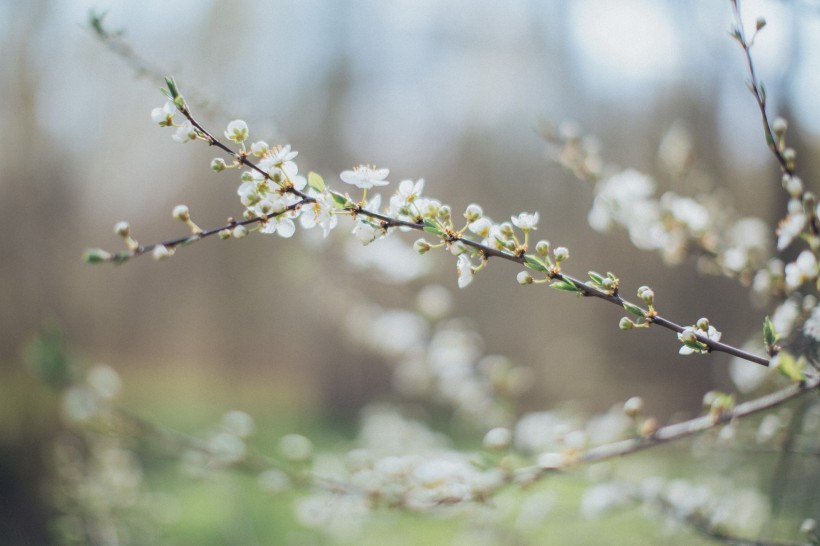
[451, 92]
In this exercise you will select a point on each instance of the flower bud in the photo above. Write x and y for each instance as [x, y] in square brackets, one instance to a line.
[789, 155]
[224, 234]
[626, 324]
[181, 213]
[524, 277]
[162, 252]
[633, 407]
[561, 254]
[122, 229]
[218, 165]
[794, 186]
[759, 24]
[647, 295]
[703, 324]
[445, 213]
[808, 527]
[421, 246]
[239, 232]
[779, 126]
[473, 213]
[542, 247]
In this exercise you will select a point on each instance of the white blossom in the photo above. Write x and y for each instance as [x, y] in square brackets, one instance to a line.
[525, 221]
[465, 270]
[365, 176]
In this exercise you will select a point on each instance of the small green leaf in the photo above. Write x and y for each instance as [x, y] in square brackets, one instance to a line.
[596, 278]
[96, 256]
[432, 227]
[534, 263]
[316, 182]
[341, 201]
[564, 285]
[769, 333]
[634, 309]
[791, 368]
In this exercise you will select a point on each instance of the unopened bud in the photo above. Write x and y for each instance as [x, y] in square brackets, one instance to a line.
[182, 213]
[421, 246]
[218, 165]
[626, 324]
[162, 252]
[779, 126]
[224, 234]
[633, 407]
[542, 247]
[123, 229]
[561, 254]
[647, 295]
[703, 324]
[524, 277]
[240, 232]
[760, 23]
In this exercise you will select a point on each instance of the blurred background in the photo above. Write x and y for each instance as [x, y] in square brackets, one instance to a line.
[451, 92]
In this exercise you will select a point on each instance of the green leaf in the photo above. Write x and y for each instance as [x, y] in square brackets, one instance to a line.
[432, 227]
[95, 256]
[341, 201]
[769, 333]
[316, 182]
[791, 368]
[534, 263]
[596, 278]
[564, 285]
[634, 309]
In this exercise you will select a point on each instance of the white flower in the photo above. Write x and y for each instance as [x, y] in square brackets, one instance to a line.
[465, 270]
[789, 228]
[803, 269]
[237, 131]
[259, 148]
[319, 213]
[525, 221]
[365, 232]
[282, 225]
[365, 176]
[280, 158]
[184, 133]
[164, 116]
[811, 328]
[481, 227]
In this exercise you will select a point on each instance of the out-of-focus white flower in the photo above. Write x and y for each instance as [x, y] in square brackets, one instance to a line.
[790, 227]
[365, 176]
[465, 270]
[803, 269]
[746, 376]
[811, 328]
[296, 447]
